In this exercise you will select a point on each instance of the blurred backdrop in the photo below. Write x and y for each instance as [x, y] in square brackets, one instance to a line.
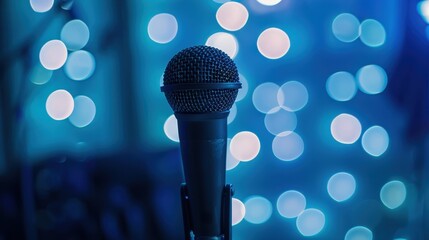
[328, 138]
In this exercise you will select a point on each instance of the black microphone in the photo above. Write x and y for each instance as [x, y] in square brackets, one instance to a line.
[201, 84]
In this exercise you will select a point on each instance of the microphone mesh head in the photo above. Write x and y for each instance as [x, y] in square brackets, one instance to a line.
[200, 65]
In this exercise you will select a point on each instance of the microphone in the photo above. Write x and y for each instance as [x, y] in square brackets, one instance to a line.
[201, 84]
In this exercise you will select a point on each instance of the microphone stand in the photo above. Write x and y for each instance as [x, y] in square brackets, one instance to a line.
[226, 214]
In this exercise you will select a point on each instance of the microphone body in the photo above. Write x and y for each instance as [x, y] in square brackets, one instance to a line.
[201, 84]
[203, 142]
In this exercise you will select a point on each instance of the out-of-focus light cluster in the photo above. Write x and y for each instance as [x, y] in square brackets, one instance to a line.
[423, 9]
[162, 28]
[341, 86]
[347, 28]
[341, 186]
[310, 222]
[346, 128]
[41, 5]
[79, 65]
[393, 194]
[225, 42]
[273, 43]
[232, 16]
[75, 34]
[291, 203]
[53, 54]
[258, 209]
[358, 233]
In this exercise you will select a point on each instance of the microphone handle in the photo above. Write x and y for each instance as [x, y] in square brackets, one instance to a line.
[203, 142]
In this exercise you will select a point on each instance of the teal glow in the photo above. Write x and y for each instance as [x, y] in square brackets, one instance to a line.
[393, 194]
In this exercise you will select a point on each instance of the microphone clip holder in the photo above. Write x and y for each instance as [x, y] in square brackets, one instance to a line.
[226, 215]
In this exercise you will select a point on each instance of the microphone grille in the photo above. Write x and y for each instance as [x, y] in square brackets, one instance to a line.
[200, 65]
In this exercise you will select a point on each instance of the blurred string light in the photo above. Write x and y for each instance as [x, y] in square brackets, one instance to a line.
[291, 203]
[346, 128]
[231, 161]
[41, 5]
[238, 211]
[288, 146]
[75, 34]
[423, 9]
[341, 186]
[225, 42]
[375, 141]
[245, 146]
[269, 2]
[244, 88]
[265, 97]
[341, 86]
[40, 75]
[278, 121]
[273, 43]
[60, 104]
[258, 210]
[162, 28]
[171, 129]
[346, 27]
[372, 33]
[372, 79]
[310, 222]
[358, 233]
[232, 16]
[80, 65]
[84, 111]
[393, 194]
[232, 113]
[293, 95]
[53, 54]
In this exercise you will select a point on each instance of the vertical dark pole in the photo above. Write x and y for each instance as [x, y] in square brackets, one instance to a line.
[125, 80]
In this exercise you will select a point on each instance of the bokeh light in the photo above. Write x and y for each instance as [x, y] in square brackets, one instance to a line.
[341, 186]
[245, 146]
[393, 194]
[358, 233]
[53, 54]
[273, 43]
[288, 146]
[269, 2]
[375, 141]
[242, 92]
[41, 5]
[341, 86]
[60, 104]
[80, 65]
[293, 95]
[75, 34]
[232, 16]
[291, 203]
[171, 129]
[372, 33]
[372, 79]
[231, 161]
[278, 121]
[346, 27]
[225, 42]
[346, 128]
[238, 211]
[232, 113]
[162, 28]
[265, 97]
[423, 9]
[40, 75]
[84, 111]
[258, 210]
[310, 222]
